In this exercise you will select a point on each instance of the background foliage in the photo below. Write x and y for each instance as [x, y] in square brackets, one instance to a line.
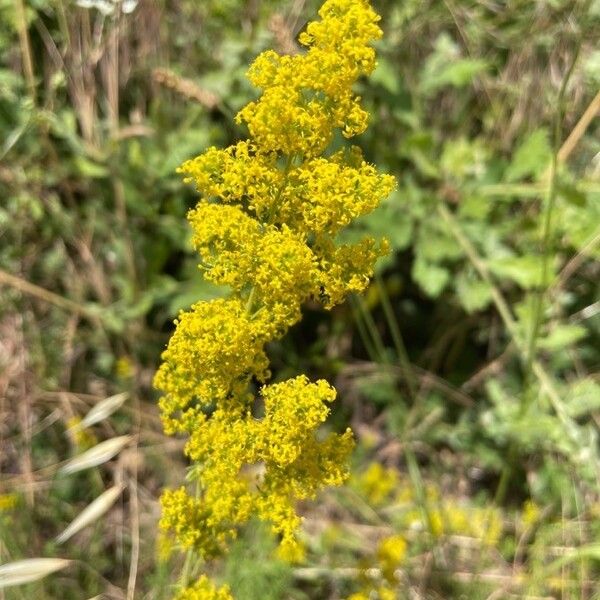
[470, 372]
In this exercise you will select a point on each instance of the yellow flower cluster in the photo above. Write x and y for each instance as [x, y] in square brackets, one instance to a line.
[376, 483]
[380, 593]
[266, 227]
[450, 517]
[381, 580]
[8, 502]
[391, 554]
[204, 589]
[307, 96]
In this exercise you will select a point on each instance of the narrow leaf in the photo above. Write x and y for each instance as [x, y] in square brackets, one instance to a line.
[28, 570]
[91, 513]
[95, 456]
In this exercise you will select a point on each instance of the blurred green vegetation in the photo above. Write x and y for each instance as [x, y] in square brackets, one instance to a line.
[470, 372]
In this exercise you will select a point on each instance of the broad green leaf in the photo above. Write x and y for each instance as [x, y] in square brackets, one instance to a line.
[462, 159]
[583, 398]
[473, 293]
[434, 244]
[445, 67]
[526, 271]
[531, 158]
[569, 192]
[431, 277]
[386, 76]
[563, 336]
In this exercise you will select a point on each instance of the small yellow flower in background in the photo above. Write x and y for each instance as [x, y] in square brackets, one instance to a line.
[376, 483]
[558, 584]
[391, 554]
[405, 494]
[164, 547]
[531, 513]
[487, 524]
[436, 522]
[458, 519]
[375, 593]
[124, 367]
[385, 593]
[204, 589]
[80, 437]
[432, 493]
[8, 502]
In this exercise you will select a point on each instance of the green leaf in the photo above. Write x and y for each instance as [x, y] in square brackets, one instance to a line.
[419, 147]
[431, 277]
[525, 271]
[434, 244]
[583, 398]
[531, 158]
[87, 168]
[570, 193]
[386, 76]
[563, 336]
[460, 73]
[473, 293]
[462, 159]
[445, 67]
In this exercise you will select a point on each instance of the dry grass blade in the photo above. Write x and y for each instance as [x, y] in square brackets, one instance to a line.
[102, 410]
[95, 456]
[28, 570]
[91, 513]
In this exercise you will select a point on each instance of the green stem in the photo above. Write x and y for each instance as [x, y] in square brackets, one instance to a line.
[549, 210]
[399, 345]
[373, 331]
[414, 472]
[26, 56]
[362, 331]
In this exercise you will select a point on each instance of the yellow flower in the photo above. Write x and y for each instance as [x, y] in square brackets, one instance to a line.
[486, 524]
[385, 593]
[377, 483]
[80, 437]
[531, 513]
[392, 551]
[204, 589]
[266, 227]
[8, 502]
[164, 547]
[458, 519]
[124, 367]
[436, 522]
